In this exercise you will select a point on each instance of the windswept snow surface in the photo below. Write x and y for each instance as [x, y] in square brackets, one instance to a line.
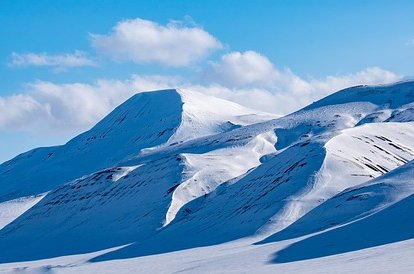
[233, 257]
[205, 115]
[357, 203]
[203, 173]
[10, 210]
[175, 180]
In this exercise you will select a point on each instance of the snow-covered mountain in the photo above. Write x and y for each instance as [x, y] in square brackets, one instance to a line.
[146, 120]
[172, 170]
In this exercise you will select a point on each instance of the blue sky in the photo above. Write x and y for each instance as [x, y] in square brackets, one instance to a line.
[56, 53]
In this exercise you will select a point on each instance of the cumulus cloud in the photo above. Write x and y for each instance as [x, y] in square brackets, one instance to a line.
[242, 68]
[60, 61]
[252, 69]
[368, 76]
[143, 41]
[251, 78]
[295, 92]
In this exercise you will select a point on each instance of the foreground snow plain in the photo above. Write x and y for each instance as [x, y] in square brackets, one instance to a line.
[234, 257]
[209, 186]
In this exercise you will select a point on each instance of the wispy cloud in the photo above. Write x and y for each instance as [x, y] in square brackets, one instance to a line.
[143, 41]
[58, 61]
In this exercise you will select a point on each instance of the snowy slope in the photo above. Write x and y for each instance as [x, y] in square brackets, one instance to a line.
[392, 96]
[356, 203]
[127, 203]
[390, 225]
[10, 210]
[204, 171]
[289, 183]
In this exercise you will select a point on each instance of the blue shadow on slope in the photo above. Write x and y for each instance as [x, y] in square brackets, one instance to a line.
[230, 212]
[393, 224]
[233, 211]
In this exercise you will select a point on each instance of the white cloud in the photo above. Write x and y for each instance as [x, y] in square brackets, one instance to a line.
[60, 61]
[18, 111]
[143, 41]
[251, 79]
[242, 68]
[252, 69]
[368, 76]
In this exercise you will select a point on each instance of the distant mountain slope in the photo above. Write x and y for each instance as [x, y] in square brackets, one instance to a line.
[391, 96]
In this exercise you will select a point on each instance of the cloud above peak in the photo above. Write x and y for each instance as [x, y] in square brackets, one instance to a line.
[251, 69]
[142, 41]
[241, 68]
[59, 61]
